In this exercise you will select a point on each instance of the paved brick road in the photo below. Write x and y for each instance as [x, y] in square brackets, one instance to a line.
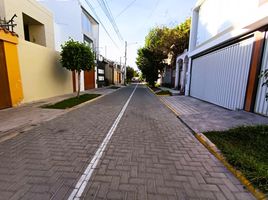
[150, 156]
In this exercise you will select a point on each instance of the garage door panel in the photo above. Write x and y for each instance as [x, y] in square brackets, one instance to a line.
[261, 105]
[221, 77]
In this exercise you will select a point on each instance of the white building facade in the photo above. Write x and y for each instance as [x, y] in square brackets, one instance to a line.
[227, 51]
[73, 19]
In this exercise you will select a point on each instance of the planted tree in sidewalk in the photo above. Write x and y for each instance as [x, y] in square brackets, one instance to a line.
[169, 41]
[151, 64]
[77, 56]
[130, 73]
[162, 43]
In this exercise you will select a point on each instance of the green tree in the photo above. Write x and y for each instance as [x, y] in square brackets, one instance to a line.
[130, 73]
[76, 56]
[160, 44]
[169, 41]
[150, 63]
[136, 73]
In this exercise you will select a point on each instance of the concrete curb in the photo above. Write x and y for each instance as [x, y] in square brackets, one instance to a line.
[163, 95]
[217, 153]
[26, 127]
[90, 101]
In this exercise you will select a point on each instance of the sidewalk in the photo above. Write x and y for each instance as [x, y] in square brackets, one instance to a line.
[17, 120]
[202, 116]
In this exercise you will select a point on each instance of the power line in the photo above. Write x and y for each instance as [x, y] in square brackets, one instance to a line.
[109, 15]
[93, 10]
[129, 5]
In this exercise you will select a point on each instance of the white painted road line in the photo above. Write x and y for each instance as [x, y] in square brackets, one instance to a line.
[84, 179]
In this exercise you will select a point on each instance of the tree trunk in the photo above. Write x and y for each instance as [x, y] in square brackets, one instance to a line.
[78, 90]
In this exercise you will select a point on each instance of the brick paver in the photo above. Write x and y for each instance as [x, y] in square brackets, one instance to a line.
[150, 156]
[45, 162]
[202, 116]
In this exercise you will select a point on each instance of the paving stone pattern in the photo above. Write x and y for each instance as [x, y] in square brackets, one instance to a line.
[202, 116]
[31, 114]
[152, 155]
[45, 162]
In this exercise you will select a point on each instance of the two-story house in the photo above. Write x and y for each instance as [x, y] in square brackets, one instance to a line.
[228, 49]
[73, 19]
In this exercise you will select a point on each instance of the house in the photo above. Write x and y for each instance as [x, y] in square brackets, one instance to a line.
[109, 72]
[228, 49]
[118, 74]
[73, 19]
[101, 63]
[31, 66]
[169, 73]
[181, 71]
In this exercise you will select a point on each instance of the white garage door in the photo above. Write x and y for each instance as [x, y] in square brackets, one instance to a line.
[221, 77]
[261, 105]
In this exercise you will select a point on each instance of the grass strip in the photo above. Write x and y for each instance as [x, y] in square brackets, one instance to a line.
[163, 92]
[246, 148]
[114, 87]
[71, 102]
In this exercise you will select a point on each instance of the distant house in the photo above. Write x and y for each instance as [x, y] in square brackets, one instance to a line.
[181, 72]
[168, 75]
[109, 72]
[73, 19]
[31, 70]
[228, 49]
[117, 74]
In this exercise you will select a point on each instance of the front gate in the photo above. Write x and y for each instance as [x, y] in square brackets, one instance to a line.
[261, 105]
[5, 100]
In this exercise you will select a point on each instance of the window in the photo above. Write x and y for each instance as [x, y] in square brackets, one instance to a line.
[34, 31]
[89, 42]
[86, 23]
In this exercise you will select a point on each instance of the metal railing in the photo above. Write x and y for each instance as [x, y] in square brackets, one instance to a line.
[8, 24]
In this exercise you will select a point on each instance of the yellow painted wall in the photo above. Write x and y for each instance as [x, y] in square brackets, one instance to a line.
[11, 65]
[33, 9]
[42, 75]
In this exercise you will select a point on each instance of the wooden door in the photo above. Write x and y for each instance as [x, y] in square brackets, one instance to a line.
[89, 79]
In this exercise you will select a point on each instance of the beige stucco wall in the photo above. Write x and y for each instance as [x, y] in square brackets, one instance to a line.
[117, 74]
[41, 73]
[33, 9]
[109, 73]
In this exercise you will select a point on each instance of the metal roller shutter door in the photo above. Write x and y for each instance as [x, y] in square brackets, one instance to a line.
[221, 77]
[261, 105]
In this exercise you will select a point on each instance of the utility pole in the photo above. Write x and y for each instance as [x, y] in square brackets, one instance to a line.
[125, 71]
[105, 51]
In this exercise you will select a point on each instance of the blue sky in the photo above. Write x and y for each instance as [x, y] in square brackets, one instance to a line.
[135, 23]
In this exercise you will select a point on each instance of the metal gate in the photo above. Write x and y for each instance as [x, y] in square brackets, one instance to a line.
[220, 77]
[261, 105]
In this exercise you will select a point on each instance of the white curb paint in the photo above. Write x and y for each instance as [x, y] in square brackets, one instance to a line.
[84, 179]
